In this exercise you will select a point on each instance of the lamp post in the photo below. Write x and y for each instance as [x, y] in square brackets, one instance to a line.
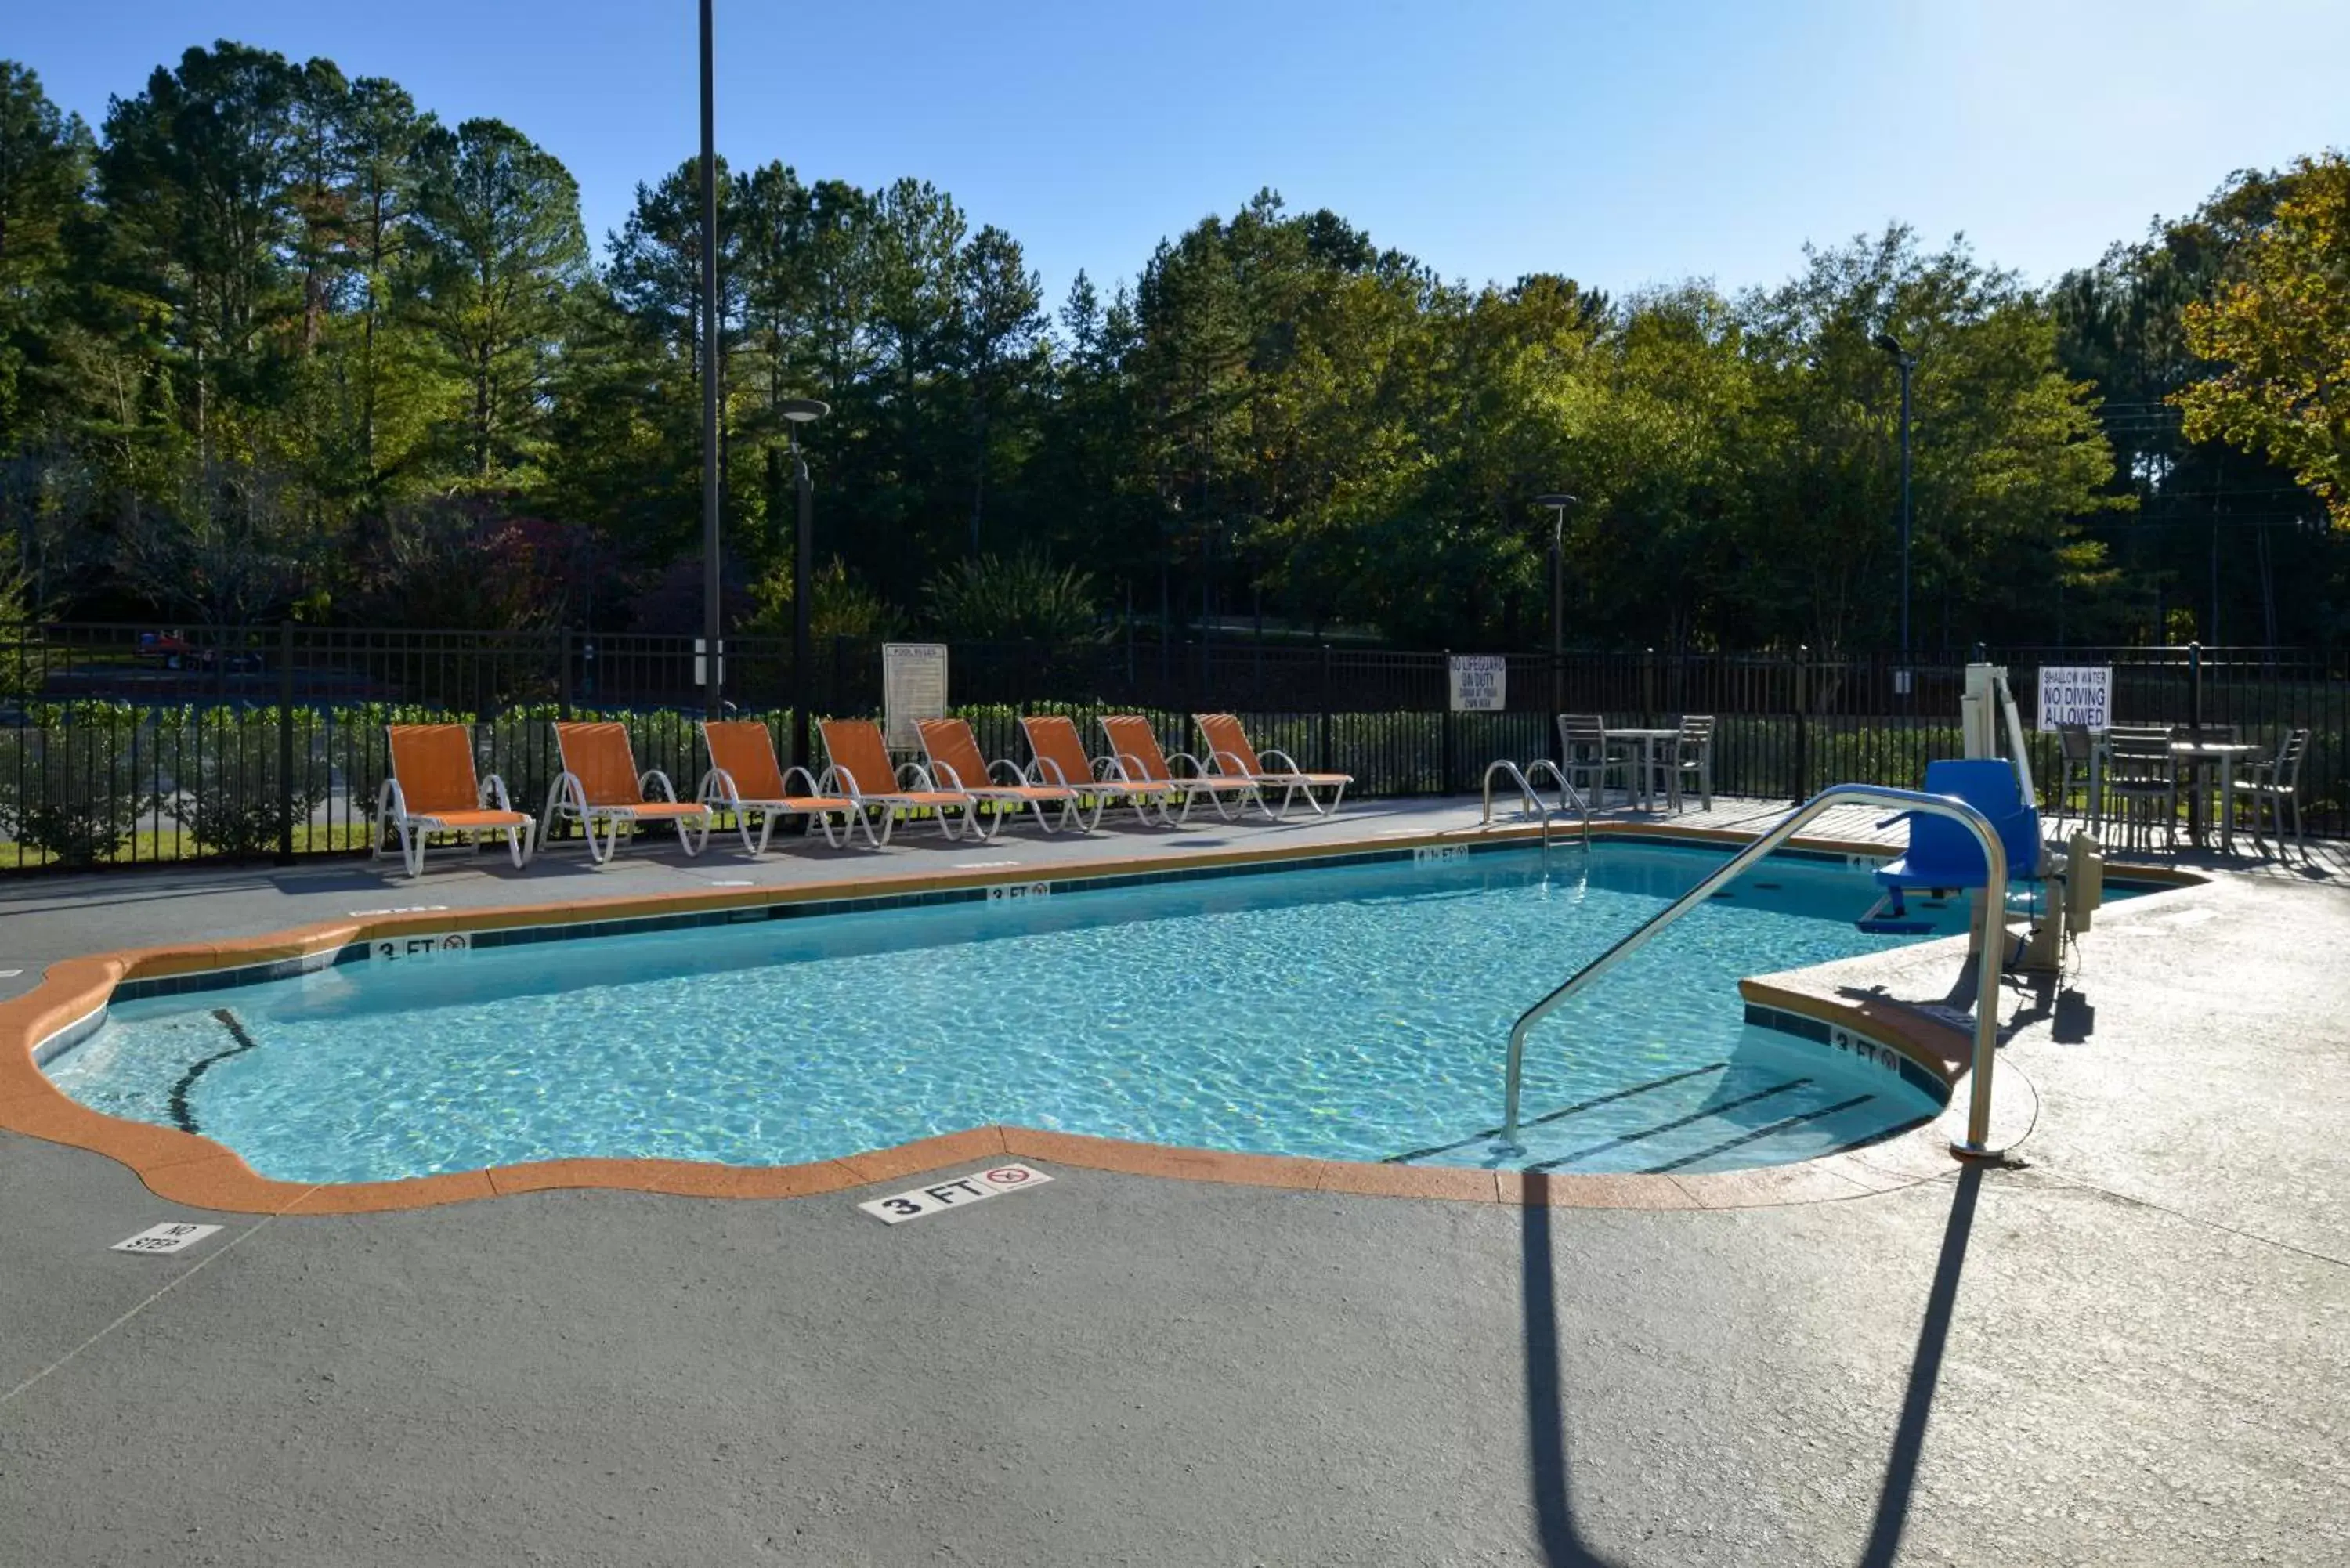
[710, 572]
[798, 411]
[1557, 502]
[1907, 362]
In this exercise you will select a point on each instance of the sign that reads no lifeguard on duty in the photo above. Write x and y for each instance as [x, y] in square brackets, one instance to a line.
[1481, 682]
[2077, 695]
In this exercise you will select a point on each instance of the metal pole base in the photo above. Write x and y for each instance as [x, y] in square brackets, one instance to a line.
[1966, 1150]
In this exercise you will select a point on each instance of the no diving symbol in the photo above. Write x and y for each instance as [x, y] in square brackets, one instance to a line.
[1007, 1175]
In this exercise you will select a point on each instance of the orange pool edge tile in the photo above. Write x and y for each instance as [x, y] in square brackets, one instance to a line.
[196, 1170]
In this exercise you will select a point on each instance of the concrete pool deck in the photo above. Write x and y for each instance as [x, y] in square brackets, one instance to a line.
[2128, 1347]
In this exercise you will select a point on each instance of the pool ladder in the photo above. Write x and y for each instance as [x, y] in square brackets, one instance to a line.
[1976, 1143]
[1533, 799]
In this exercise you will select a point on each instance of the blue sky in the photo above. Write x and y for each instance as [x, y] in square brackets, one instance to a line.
[1623, 144]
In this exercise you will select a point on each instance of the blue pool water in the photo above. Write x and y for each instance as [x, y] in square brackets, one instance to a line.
[1358, 1013]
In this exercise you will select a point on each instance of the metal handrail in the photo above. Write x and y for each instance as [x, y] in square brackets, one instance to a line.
[1993, 913]
[1533, 797]
[1566, 792]
[1525, 793]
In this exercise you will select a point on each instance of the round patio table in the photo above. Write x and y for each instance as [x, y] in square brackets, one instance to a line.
[2196, 757]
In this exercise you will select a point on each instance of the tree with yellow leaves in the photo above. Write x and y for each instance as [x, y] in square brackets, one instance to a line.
[2279, 329]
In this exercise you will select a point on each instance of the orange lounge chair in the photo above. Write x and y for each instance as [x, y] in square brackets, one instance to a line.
[1230, 751]
[746, 779]
[1134, 746]
[600, 783]
[956, 764]
[1060, 758]
[433, 789]
[861, 770]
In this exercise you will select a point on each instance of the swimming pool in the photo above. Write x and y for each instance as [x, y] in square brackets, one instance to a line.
[1355, 1011]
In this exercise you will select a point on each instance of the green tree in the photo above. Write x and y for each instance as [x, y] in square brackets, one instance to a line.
[2008, 454]
[45, 157]
[500, 251]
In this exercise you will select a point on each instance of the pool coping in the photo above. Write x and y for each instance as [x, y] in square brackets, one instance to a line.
[189, 1167]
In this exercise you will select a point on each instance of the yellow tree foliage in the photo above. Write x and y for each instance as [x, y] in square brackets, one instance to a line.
[2279, 326]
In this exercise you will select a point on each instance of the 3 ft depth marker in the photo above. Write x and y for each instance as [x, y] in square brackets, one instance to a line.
[957, 1192]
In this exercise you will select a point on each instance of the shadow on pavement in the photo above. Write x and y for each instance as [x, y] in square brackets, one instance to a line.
[1562, 1547]
[1925, 1373]
[1562, 1544]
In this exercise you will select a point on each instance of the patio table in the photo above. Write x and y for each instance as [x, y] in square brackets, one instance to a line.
[2195, 757]
[1647, 739]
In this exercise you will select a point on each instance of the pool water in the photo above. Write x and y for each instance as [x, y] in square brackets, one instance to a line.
[1356, 1012]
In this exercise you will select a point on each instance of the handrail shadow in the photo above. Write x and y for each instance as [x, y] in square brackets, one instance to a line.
[1562, 1545]
[1925, 1374]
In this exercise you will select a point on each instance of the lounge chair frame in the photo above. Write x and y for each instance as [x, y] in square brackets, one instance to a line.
[721, 790]
[1021, 794]
[1101, 785]
[1241, 759]
[913, 789]
[414, 828]
[566, 799]
[1132, 765]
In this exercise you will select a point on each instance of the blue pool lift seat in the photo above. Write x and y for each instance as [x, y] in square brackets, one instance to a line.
[1943, 856]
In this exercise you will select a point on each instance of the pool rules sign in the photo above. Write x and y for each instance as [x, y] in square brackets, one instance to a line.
[2077, 695]
[1481, 682]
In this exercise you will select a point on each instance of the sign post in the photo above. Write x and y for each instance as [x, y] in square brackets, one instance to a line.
[1481, 682]
[913, 688]
[2077, 695]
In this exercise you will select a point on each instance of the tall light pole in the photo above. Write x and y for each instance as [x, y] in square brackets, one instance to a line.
[1907, 362]
[1557, 502]
[798, 411]
[709, 573]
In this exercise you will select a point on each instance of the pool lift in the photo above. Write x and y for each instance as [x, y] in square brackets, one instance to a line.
[1943, 858]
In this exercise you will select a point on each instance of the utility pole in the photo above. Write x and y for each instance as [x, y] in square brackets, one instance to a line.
[710, 572]
[1907, 362]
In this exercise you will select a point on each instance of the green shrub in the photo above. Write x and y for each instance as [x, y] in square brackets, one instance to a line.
[995, 600]
[232, 792]
[74, 792]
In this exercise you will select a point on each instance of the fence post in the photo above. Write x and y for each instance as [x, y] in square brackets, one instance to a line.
[1444, 781]
[2195, 689]
[1324, 763]
[1803, 722]
[840, 660]
[563, 673]
[1556, 736]
[1647, 687]
[285, 742]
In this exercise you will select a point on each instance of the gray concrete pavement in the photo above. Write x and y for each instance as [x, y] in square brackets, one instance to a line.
[2130, 1350]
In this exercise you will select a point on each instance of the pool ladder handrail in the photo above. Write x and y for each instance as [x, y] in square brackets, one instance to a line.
[1527, 791]
[1993, 916]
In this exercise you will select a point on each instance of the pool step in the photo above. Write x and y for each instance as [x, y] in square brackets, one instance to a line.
[1711, 1118]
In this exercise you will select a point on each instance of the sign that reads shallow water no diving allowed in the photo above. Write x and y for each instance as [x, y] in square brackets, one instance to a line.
[2077, 695]
[1481, 682]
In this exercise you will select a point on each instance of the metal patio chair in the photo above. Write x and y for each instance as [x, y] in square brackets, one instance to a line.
[1587, 756]
[2140, 775]
[1692, 757]
[2078, 768]
[2276, 784]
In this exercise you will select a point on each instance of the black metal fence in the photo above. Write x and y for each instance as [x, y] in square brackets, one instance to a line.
[121, 744]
